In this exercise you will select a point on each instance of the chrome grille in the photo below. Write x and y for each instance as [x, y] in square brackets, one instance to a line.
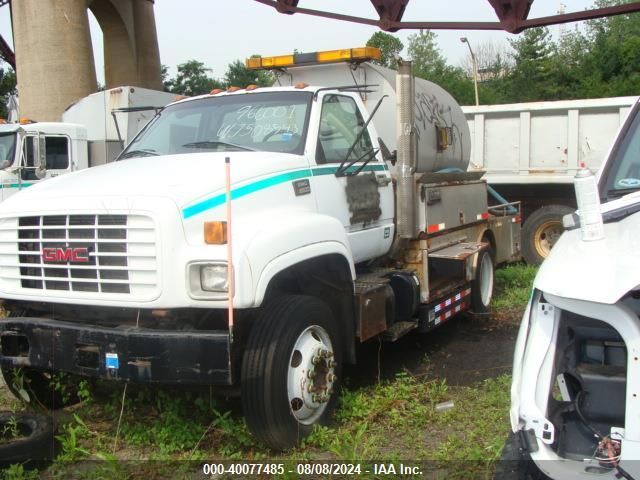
[118, 253]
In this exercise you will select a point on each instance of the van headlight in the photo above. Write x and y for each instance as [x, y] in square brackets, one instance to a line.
[208, 280]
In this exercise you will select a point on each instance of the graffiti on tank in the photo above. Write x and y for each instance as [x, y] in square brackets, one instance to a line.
[429, 112]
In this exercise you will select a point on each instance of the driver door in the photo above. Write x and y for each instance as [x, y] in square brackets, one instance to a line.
[353, 184]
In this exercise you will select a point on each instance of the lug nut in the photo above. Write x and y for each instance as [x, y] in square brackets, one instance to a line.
[310, 374]
[331, 377]
[310, 387]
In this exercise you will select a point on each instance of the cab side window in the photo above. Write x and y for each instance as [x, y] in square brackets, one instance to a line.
[57, 153]
[340, 124]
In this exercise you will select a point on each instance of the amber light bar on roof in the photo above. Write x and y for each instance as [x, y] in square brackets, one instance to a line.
[314, 58]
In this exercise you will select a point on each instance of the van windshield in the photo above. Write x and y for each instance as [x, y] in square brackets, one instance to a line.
[621, 175]
[269, 122]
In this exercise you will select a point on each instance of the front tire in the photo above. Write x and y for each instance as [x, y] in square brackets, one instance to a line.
[290, 370]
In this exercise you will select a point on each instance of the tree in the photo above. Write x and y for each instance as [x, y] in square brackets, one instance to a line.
[426, 57]
[240, 76]
[389, 45]
[7, 87]
[192, 79]
[531, 79]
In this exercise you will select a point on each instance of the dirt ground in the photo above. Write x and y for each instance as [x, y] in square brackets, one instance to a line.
[463, 351]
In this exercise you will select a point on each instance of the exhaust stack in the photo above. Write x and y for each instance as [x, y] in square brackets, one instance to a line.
[406, 151]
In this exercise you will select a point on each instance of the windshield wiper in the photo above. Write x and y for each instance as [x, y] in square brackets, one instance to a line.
[216, 143]
[143, 152]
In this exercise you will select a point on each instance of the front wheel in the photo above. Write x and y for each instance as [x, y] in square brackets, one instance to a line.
[482, 284]
[290, 370]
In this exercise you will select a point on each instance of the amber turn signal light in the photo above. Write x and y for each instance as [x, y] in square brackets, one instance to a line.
[215, 233]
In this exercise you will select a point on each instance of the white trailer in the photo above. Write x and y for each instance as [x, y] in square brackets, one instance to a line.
[88, 135]
[531, 152]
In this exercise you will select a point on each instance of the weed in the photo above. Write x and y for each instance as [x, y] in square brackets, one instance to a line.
[70, 440]
[18, 472]
[10, 430]
[513, 286]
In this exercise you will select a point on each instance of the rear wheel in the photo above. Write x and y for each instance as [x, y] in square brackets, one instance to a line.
[482, 285]
[541, 231]
[290, 370]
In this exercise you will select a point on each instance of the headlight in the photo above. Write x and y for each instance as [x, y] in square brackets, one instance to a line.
[213, 278]
[207, 280]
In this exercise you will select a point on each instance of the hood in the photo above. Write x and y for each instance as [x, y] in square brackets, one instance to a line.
[182, 178]
[598, 271]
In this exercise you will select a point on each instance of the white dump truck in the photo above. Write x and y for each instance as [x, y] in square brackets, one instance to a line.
[253, 237]
[576, 381]
[531, 152]
[93, 131]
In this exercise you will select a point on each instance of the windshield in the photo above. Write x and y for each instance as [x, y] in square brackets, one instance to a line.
[7, 148]
[268, 122]
[621, 175]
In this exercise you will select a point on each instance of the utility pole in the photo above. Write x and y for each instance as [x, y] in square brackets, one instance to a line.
[475, 68]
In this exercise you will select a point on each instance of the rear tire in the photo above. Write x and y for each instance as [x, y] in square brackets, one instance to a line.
[290, 370]
[483, 283]
[541, 231]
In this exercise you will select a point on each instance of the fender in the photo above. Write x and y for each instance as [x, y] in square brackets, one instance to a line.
[291, 239]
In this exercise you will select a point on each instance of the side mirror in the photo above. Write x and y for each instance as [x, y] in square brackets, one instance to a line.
[41, 157]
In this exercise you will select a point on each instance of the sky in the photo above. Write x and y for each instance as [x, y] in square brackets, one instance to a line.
[218, 32]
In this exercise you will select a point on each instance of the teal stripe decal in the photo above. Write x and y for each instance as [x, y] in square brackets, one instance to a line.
[239, 192]
[16, 185]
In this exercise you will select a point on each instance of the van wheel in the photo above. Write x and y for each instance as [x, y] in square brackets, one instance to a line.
[482, 285]
[34, 387]
[541, 231]
[290, 370]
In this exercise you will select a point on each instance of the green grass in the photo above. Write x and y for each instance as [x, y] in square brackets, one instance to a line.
[513, 286]
[392, 421]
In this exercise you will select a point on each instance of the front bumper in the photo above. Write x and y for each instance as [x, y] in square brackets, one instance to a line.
[125, 353]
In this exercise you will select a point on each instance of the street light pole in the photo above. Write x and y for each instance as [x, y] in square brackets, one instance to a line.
[475, 68]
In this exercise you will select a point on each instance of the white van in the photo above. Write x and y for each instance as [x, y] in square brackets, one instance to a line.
[575, 396]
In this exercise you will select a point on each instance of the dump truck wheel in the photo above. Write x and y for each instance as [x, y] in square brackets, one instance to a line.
[541, 231]
[482, 285]
[290, 370]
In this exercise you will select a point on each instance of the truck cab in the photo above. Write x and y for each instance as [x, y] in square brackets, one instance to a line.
[32, 152]
[574, 396]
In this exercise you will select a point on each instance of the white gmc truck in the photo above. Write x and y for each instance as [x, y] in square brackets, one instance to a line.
[253, 237]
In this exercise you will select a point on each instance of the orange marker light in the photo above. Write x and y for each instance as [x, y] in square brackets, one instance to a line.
[215, 233]
[233, 89]
[251, 87]
[215, 91]
[301, 85]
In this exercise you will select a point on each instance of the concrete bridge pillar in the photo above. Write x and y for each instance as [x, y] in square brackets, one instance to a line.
[54, 60]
